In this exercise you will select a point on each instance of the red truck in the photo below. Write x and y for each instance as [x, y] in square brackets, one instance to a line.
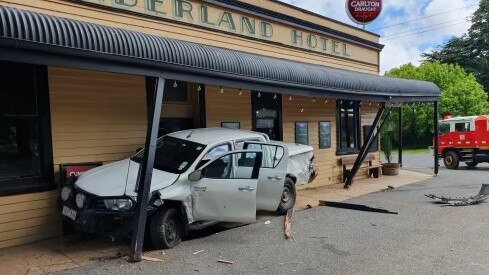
[464, 139]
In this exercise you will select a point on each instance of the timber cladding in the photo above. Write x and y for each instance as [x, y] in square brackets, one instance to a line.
[96, 116]
[29, 217]
[355, 57]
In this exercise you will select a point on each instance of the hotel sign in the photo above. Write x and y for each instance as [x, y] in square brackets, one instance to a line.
[233, 22]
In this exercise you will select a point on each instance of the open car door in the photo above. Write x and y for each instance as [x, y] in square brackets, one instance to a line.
[223, 190]
[272, 173]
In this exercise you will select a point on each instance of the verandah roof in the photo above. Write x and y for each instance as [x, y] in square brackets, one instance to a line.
[32, 37]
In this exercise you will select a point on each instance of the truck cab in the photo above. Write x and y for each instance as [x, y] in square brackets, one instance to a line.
[464, 139]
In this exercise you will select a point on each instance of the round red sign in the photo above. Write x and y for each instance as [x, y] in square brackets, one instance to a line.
[363, 11]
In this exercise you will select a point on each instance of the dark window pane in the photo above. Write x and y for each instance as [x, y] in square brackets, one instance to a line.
[349, 126]
[462, 127]
[19, 133]
[302, 133]
[324, 135]
[18, 92]
[19, 153]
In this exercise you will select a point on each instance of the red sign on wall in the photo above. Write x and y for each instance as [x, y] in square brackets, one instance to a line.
[363, 11]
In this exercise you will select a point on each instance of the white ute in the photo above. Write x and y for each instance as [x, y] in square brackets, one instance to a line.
[200, 176]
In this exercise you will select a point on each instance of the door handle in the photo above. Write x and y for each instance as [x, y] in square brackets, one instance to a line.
[274, 177]
[247, 188]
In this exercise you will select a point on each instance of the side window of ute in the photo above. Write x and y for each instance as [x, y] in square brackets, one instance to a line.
[213, 153]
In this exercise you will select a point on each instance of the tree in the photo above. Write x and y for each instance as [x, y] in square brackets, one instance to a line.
[461, 94]
[471, 51]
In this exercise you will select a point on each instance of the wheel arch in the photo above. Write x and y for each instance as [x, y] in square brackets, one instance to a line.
[292, 177]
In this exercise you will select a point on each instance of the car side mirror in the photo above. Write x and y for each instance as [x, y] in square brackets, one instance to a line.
[195, 175]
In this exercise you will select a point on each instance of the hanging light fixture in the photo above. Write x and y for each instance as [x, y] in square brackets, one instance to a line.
[313, 99]
[199, 88]
[302, 109]
[240, 92]
[351, 102]
[275, 96]
[259, 94]
[175, 84]
[326, 101]
[221, 89]
[341, 101]
[369, 103]
[290, 97]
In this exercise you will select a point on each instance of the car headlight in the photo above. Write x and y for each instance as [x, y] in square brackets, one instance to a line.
[118, 204]
[65, 193]
[80, 199]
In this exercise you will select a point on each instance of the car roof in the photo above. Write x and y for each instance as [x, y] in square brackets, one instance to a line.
[208, 136]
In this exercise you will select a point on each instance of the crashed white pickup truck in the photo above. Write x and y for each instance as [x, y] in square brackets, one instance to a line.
[200, 176]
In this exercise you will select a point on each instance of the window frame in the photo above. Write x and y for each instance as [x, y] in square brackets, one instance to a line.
[296, 134]
[339, 127]
[45, 181]
[320, 133]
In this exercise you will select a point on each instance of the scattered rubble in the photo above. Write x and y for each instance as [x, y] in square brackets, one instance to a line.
[480, 197]
[358, 207]
[268, 222]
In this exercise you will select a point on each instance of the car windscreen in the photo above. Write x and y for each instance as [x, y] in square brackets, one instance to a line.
[173, 155]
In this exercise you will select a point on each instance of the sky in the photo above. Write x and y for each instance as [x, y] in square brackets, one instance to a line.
[439, 20]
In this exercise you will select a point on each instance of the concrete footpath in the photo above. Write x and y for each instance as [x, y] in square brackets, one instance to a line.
[65, 253]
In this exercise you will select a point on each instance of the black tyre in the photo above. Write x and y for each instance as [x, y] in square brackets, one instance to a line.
[166, 228]
[288, 196]
[471, 164]
[451, 160]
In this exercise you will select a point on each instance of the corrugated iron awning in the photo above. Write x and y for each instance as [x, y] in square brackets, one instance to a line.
[27, 36]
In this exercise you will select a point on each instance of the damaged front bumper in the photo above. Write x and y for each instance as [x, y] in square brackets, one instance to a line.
[92, 218]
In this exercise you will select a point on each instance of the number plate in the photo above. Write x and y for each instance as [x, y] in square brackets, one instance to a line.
[68, 212]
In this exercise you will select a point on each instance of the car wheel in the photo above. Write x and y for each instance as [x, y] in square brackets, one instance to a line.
[471, 164]
[451, 160]
[166, 228]
[287, 201]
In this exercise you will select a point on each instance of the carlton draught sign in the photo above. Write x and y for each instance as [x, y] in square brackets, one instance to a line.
[363, 11]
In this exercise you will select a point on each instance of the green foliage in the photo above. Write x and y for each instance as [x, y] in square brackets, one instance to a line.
[470, 51]
[386, 140]
[461, 94]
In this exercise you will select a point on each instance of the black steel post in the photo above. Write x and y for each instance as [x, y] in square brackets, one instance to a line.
[364, 150]
[146, 171]
[435, 143]
[399, 157]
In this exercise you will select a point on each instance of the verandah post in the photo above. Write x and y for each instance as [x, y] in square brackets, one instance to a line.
[146, 168]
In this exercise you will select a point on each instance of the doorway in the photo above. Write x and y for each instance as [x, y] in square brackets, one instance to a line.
[267, 114]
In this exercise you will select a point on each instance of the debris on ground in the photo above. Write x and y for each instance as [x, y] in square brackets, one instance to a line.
[389, 188]
[197, 252]
[146, 258]
[308, 206]
[288, 223]
[268, 222]
[225, 262]
[359, 207]
[480, 197]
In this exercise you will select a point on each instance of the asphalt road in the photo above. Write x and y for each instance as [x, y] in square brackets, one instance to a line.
[424, 238]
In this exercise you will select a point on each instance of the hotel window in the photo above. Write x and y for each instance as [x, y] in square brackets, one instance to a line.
[348, 127]
[25, 141]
